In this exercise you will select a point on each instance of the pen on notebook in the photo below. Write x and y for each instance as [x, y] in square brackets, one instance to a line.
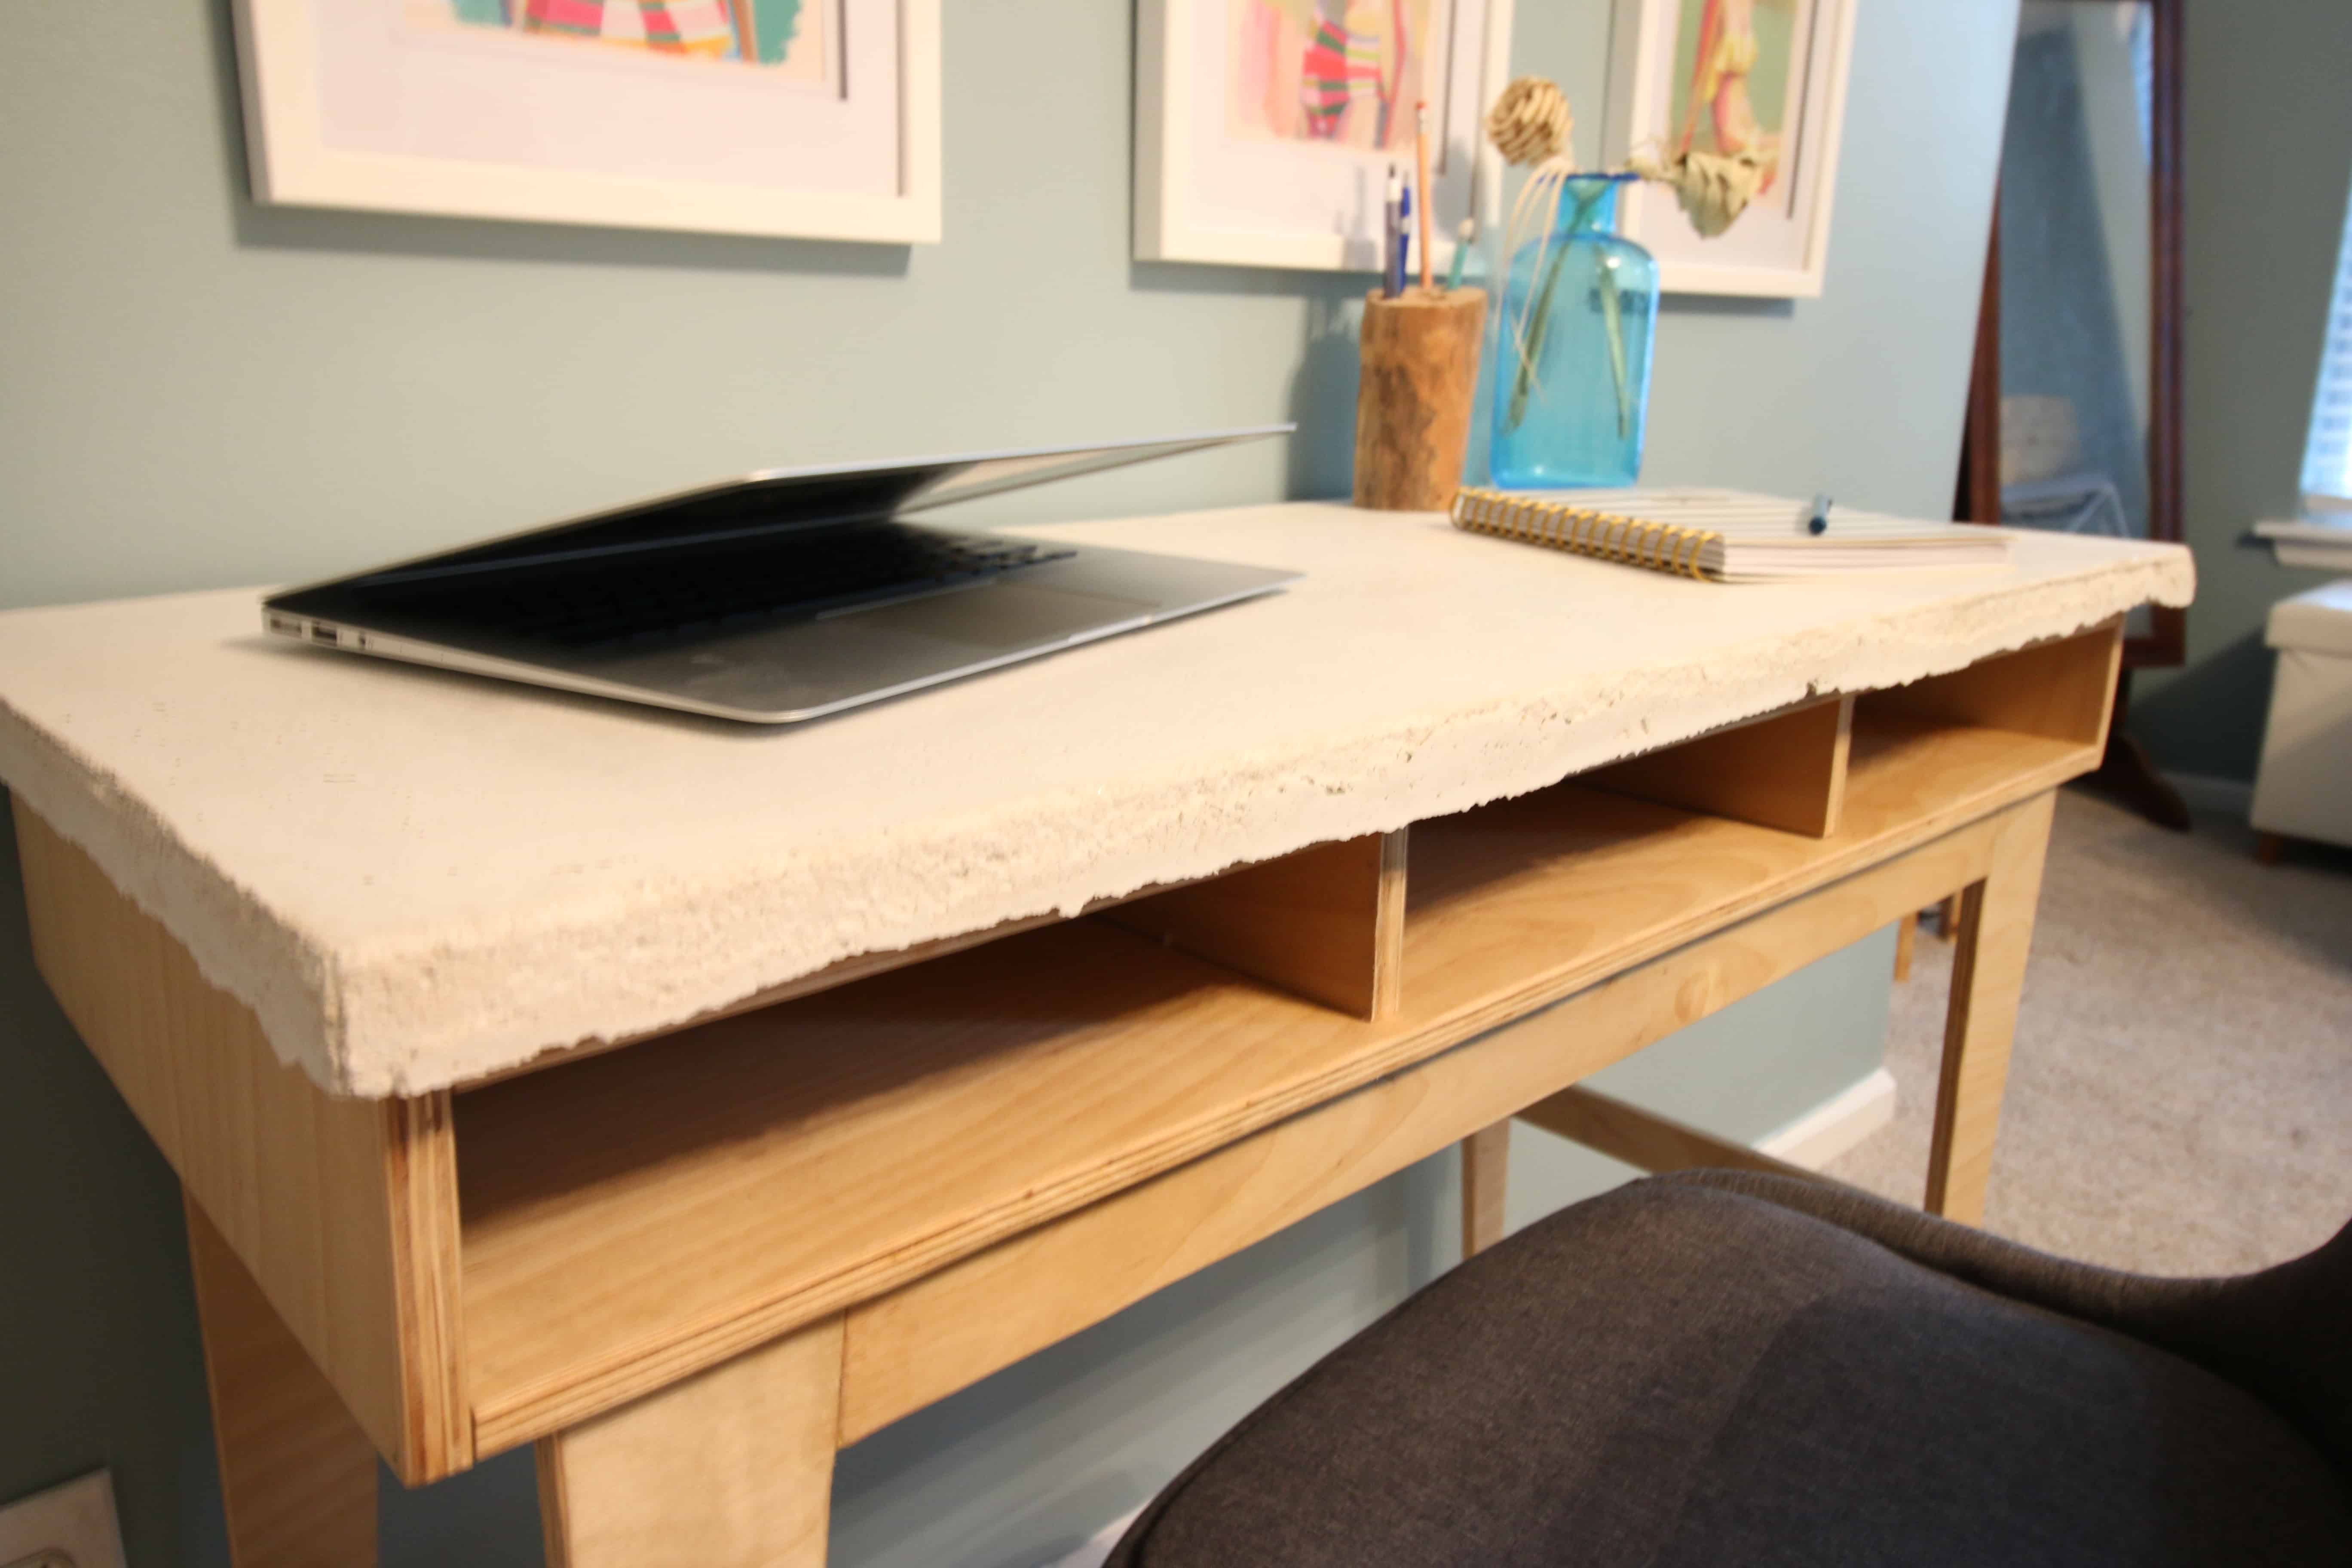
[1392, 237]
[1815, 518]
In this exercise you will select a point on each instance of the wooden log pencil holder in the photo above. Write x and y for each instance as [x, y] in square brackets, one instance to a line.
[1413, 406]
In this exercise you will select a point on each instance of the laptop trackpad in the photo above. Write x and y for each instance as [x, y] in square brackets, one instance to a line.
[1001, 615]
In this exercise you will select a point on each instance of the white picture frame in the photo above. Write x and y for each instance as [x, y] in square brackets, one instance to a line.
[356, 104]
[1779, 247]
[1181, 149]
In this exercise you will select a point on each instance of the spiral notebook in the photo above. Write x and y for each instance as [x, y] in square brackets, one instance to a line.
[1724, 536]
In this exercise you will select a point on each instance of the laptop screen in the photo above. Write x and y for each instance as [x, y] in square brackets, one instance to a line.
[787, 498]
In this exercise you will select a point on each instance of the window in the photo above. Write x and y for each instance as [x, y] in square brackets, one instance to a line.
[2328, 451]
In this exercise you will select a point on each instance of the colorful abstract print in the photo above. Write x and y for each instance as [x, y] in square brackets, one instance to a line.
[761, 31]
[1340, 69]
[1341, 72]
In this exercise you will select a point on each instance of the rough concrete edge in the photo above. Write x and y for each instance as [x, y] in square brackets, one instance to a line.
[238, 945]
[409, 1017]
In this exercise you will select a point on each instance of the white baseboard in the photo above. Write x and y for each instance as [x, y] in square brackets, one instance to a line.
[2232, 798]
[1835, 1125]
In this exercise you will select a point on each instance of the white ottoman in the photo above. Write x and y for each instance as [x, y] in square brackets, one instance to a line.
[2303, 787]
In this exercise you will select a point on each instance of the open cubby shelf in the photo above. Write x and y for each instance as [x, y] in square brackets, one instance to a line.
[1519, 903]
[834, 1146]
[863, 1136]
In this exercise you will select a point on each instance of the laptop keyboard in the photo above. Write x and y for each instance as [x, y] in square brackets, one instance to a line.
[718, 591]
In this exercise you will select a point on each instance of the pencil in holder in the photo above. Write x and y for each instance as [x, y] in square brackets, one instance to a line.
[1413, 406]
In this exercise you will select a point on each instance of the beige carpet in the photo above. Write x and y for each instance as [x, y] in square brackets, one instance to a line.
[2180, 1097]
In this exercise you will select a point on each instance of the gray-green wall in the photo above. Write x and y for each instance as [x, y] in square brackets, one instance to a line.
[2268, 138]
[196, 392]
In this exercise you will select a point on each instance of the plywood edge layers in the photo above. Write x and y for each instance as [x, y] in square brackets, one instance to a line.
[343, 1211]
[938, 1334]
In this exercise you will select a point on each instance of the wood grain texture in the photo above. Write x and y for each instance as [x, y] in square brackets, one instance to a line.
[962, 1323]
[1988, 975]
[862, 1137]
[682, 1223]
[1906, 939]
[1388, 935]
[1645, 1139]
[2064, 690]
[1787, 771]
[1485, 1185]
[1419, 354]
[345, 1211]
[730, 1469]
[298, 1475]
[1326, 924]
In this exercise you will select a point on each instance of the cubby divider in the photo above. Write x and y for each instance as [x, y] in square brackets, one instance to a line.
[1327, 922]
[1786, 770]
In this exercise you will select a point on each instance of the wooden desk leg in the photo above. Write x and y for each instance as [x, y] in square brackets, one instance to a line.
[1996, 928]
[1906, 932]
[731, 1468]
[298, 1475]
[1486, 1172]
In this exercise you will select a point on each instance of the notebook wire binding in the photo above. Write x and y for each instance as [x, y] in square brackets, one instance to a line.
[1608, 536]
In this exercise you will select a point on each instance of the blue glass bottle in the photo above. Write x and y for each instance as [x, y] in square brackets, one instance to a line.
[1572, 349]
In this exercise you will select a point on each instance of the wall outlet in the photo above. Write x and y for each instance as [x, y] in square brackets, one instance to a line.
[71, 1526]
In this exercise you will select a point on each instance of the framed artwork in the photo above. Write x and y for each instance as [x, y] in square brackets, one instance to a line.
[1266, 128]
[815, 118]
[1725, 78]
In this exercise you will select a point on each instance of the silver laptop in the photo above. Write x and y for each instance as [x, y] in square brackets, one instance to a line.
[786, 595]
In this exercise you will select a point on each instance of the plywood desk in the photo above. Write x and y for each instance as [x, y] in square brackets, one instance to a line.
[954, 1025]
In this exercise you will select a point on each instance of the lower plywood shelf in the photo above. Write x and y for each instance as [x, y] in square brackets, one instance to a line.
[693, 1196]
[631, 1217]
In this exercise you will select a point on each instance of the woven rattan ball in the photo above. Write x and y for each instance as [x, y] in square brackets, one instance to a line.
[1530, 122]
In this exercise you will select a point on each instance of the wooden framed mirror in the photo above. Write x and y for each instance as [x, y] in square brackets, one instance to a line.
[2073, 418]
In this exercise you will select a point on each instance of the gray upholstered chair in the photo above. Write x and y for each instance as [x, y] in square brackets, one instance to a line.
[1724, 1369]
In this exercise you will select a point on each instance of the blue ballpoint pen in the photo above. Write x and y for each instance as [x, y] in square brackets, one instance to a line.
[1404, 240]
[1393, 238]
